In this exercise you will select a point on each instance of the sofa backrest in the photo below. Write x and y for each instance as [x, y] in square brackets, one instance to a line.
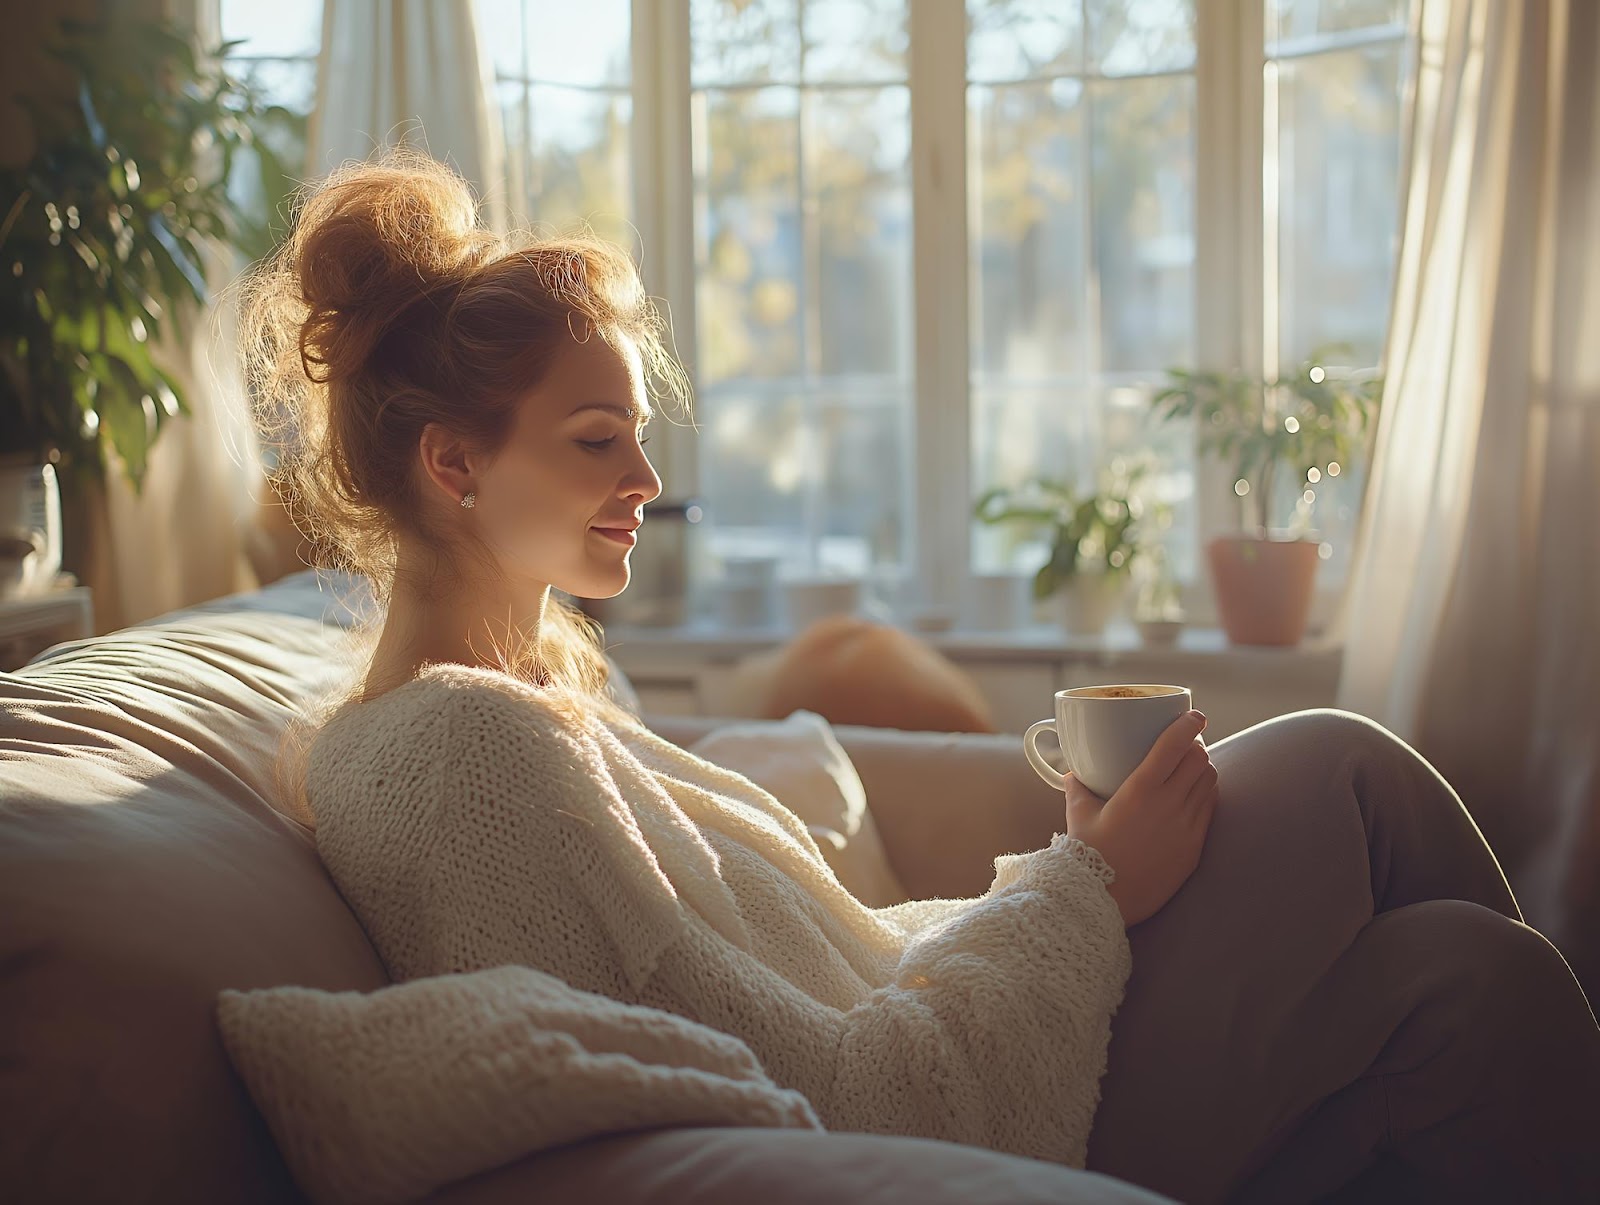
[143, 868]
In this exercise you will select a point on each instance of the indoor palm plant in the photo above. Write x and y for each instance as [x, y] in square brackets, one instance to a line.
[104, 230]
[1309, 424]
[1095, 538]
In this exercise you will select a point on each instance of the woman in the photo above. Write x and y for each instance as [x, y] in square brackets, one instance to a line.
[1318, 973]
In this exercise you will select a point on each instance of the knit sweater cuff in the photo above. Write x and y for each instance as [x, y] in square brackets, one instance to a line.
[1008, 868]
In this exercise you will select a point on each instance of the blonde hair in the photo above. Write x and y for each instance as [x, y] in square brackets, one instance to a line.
[389, 307]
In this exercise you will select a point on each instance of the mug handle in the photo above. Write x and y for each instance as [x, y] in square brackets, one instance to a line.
[1035, 759]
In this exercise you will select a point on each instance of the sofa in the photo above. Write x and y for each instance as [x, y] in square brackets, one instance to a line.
[146, 863]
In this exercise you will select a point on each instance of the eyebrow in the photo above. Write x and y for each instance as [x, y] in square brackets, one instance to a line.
[626, 413]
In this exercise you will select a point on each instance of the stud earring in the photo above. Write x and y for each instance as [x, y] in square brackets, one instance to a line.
[470, 501]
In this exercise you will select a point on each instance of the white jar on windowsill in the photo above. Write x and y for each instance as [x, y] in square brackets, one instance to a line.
[1088, 601]
[999, 602]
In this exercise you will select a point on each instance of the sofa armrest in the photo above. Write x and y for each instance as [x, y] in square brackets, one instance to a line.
[945, 804]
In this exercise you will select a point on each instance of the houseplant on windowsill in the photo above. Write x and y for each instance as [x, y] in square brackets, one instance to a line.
[105, 220]
[1095, 539]
[1310, 423]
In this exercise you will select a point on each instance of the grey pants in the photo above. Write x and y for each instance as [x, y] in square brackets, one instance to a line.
[1342, 1002]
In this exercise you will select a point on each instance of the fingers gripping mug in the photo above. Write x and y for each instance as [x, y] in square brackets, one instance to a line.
[1105, 732]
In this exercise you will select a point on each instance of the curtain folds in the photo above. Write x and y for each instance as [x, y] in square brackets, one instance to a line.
[1472, 622]
[410, 71]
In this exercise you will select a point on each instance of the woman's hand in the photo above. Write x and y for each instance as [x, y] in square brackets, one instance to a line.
[1152, 830]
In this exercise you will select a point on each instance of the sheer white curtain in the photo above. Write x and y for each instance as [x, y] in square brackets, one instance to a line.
[1472, 622]
[413, 72]
[395, 72]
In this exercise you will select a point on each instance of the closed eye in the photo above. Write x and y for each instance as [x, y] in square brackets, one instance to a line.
[600, 445]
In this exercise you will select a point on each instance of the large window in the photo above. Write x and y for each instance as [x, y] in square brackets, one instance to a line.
[913, 250]
[1139, 179]
[1081, 188]
[802, 229]
[564, 88]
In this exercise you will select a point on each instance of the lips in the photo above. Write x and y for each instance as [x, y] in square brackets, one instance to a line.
[622, 535]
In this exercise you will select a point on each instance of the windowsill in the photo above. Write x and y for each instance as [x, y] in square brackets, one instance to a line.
[708, 642]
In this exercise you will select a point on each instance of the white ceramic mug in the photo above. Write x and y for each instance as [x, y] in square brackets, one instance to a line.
[1105, 731]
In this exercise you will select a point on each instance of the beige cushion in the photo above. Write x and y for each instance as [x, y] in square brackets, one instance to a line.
[144, 869]
[853, 671]
[798, 761]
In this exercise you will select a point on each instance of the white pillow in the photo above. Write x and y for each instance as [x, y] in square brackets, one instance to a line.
[800, 762]
[387, 1095]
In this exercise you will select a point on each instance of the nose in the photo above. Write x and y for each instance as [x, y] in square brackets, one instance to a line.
[642, 482]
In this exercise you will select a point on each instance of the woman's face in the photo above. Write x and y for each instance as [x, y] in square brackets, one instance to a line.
[560, 501]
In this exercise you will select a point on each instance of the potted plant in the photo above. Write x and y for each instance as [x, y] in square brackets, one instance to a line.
[1095, 539]
[103, 237]
[1309, 423]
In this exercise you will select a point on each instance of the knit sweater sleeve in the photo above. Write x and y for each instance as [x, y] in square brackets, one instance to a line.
[996, 1027]
[994, 1023]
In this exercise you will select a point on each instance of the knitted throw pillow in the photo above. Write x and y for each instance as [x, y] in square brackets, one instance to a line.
[387, 1095]
[799, 761]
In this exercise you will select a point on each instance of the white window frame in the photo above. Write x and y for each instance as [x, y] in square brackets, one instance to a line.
[1230, 270]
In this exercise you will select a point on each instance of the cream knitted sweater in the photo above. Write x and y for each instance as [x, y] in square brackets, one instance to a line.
[472, 821]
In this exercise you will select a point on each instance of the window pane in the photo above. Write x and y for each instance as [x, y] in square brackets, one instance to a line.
[291, 83]
[858, 179]
[1082, 230]
[753, 474]
[567, 158]
[1307, 18]
[748, 234]
[1019, 39]
[744, 42]
[500, 28]
[581, 44]
[282, 29]
[1025, 148]
[820, 482]
[1152, 35]
[864, 495]
[1018, 434]
[855, 41]
[512, 97]
[1144, 188]
[1072, 434]
[803, 246]
[1338, 198]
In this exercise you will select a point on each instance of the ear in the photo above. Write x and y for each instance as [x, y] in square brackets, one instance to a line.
[446, 461]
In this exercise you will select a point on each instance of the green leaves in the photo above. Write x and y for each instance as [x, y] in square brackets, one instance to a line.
[1106, 531]
[1315, 416]
[106, 241]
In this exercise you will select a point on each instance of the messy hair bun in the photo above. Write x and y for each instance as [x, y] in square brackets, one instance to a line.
[389, 307]
[372, 242]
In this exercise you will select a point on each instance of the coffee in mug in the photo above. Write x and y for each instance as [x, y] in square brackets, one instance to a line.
[1106, 731]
